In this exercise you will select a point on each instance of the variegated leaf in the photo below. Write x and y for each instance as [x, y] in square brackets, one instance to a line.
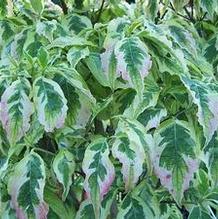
[66, 41]
[75, 54]
[46, 29]
[7, 212]
[173, 156]
[30, 7]
[74, 79]
[205, 96]
[35, 133]
[26, 186]
[3, 85]
[51, 104]
[133, 62]
[76, 23]
[149, 99]
[152, 117]
[16, 109]
[86, 210]
[108, 59]
[151, 8]
[73, 99]
[197, 212]
[64, 166]
[208, 6]
[211, 160]
[99, 172]
[134, 207]
[130, 148]
[94, 63]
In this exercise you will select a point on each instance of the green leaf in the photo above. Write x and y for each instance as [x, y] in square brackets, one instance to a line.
[99, 172]
[173, 156]
[178, 4]
[51, 105]
[26, 186]
[16, 109]
[43, 57]
[37, 5]
[64, 166]
[133, 62]
[57, 205]
[130, 148]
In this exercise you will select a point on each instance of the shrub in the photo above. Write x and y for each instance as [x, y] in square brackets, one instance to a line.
[109, 109]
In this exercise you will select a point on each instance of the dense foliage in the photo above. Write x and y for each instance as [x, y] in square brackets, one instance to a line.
[108, 109]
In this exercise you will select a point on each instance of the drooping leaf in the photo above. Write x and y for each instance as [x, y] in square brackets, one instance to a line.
[73, 78]
[99, 172]
[130, 148]
[64, 166]
[133, 62]
[205, 96]
[94, 63]
[35, 133]
[26, 187]
[51, 105]
[16, 109]
[109, 63]
[149, 99]
[56, 205]
[173, 156]
[151, 8]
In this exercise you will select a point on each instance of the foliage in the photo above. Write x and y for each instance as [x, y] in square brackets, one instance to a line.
[109, 109]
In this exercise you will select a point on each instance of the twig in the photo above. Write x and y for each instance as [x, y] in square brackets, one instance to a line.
[100, 11]
[64, 6]
[174, 10]
[189, 15]
[44, 151]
